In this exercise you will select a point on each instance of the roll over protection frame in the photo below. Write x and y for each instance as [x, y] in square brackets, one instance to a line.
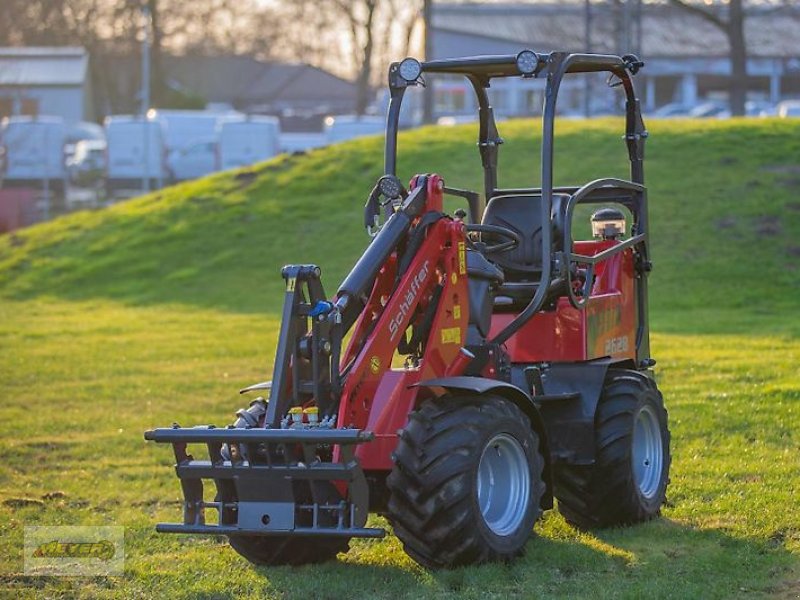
[479, 70]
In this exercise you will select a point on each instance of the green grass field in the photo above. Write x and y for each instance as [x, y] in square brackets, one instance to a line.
[158, 309]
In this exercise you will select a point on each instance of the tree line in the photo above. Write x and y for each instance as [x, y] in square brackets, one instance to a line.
[350, 38]
[347, 37]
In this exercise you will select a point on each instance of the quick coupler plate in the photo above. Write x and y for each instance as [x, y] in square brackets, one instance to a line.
[281, 482]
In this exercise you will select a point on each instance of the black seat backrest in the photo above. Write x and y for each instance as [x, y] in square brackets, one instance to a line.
[522, 214]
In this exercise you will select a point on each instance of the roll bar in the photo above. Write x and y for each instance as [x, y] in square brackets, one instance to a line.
[479, 70]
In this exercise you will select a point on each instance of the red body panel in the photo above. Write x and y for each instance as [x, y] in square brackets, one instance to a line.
[378, 398]
[606, 327]
[375, 397]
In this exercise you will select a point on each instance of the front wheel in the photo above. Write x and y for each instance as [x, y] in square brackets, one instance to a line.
[467, 483]
[294, 550]
[627, 483]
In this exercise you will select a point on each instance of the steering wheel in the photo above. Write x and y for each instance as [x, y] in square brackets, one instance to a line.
[512, 238]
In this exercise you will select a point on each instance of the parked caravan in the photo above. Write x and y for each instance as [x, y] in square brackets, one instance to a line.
[33, 150]
[248, 140]
[136, 152]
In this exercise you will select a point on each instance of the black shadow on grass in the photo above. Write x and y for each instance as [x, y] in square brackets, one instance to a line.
[662, 559]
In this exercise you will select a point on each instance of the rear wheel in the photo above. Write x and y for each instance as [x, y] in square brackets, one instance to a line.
[467, 483]
[628, 482]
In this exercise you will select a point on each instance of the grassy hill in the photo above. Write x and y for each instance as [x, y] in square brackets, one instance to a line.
[725, 217]
[160, 308]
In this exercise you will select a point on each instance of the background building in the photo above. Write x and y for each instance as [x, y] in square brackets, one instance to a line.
[46, 81]
[687, 58]
[239, 82]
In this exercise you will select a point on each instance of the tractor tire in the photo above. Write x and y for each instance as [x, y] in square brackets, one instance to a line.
[628, 481]
[467, 483]
[293, 550]
[282, 550]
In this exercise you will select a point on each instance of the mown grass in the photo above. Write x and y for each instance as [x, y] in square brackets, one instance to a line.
[159, 309]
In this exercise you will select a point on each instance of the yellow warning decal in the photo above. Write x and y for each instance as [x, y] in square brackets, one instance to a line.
[462, 258]
[457, 311]
[453, 278]
[375, 364]
[451, 335]
[290, 284]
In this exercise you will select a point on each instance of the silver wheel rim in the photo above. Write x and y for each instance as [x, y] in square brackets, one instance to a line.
[504, 484]
[647, 456]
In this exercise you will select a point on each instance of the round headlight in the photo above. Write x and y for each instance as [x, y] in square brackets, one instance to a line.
[410, 69]
[527, 61]
[390, 186]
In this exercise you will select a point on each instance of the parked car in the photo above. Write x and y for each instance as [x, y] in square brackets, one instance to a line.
[451, 120]
[710, 110]
[788, 108]
[759, 108]
[33, 151]
[248, 140]
[345, 127]
[671, 111]
[136, 152]
[197, 159]
[88, 163]
[83, 130]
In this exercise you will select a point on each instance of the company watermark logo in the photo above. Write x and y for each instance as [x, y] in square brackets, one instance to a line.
[74, 550]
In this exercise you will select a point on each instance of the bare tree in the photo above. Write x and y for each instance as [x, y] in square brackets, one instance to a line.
[732, 25]
[349, 37]
[360, 20]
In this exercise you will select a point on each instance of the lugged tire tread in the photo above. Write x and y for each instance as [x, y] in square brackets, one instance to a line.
[430, 504]
[600, 495]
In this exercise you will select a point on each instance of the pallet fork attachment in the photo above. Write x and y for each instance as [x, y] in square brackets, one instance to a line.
[256, 496]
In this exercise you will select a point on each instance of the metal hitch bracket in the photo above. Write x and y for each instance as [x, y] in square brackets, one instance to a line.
[274, 483]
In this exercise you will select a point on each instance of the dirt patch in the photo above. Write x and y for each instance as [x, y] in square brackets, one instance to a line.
[786, 590]
[245, 178]
[54, 495]
[22, 502]
[793, 206]
[153, 502]
[782, 169]
[768, 226]
[793, 251]
[790, 182]
[728, 222]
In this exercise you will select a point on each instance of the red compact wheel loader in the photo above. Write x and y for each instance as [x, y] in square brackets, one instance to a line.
[527, 370]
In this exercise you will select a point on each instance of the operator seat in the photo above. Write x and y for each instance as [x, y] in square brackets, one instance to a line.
[522, 266]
